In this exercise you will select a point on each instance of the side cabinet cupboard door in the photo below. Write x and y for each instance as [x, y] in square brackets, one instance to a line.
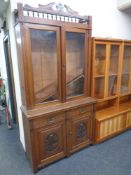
[79, 132]
[51, 143]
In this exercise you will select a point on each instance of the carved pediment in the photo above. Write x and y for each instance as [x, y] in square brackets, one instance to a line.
[56, 9]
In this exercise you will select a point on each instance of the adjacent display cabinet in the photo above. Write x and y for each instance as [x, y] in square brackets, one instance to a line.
[111, 86]
[54, 44]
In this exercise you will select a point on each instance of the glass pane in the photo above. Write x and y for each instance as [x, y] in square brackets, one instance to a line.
[112, 85]
[99, 87]
[74, 63]
[124, 84]
[100, 59]
[44, 64]
[127, 59]
[126, 70]
[114, 54]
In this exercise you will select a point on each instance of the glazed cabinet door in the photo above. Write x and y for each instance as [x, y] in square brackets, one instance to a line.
[105, 70]
[50, 143]
[99, 61]
[126, 73]
[113, 72]
[42, 64]
[75, 57]
[79, 132]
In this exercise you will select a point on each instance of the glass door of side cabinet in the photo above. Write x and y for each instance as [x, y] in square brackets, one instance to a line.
[99, 87]
[126, 71]
[100, 60]
[44, 43]
[99, 70]
[75, 55]
[113, 70]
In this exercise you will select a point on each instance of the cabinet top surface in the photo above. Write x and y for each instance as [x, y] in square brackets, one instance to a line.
[97, 39]
[61, 107]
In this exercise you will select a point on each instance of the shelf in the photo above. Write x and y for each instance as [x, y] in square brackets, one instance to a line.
[112, 111]
[113, 74]
[127, 57]
[106, 113]
[107, 98]
[125, 73]
[99, 76]
[122, 95]
[114, 56]
[124, 107]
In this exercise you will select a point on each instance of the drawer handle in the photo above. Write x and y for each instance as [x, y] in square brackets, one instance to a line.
[50, 120]
[82, 110]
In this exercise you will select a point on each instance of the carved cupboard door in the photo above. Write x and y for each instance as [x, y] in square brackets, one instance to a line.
[79, 131]
[51, 143]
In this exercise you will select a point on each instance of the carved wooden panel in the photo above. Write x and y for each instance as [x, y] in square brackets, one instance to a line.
[51, 141]
[81, 130]
[52, 11]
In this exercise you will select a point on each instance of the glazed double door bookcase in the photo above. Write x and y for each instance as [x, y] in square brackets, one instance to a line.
[54, 51]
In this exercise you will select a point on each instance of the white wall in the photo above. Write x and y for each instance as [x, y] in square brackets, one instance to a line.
[10, 26]
[2, 56]
[3, 69]
[107, 22]
[123, 4]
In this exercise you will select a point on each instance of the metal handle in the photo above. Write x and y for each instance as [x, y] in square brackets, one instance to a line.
[50, 120]
[82, 110]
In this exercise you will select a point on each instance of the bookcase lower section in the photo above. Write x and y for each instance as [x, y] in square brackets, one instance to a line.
[108, 127]
[51, 134]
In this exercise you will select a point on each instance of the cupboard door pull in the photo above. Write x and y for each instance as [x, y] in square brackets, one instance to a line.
[82, 110]
[50, 120]
[70, 133]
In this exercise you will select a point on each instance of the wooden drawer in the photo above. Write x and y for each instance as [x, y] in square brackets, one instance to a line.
[79, 111]
[47, 120]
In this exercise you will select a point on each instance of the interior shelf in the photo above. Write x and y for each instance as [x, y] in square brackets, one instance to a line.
[125, 73]
[122, 95]
[108, 98]
[123, 107]
[99, 76]
[106, 113]
[112, 74]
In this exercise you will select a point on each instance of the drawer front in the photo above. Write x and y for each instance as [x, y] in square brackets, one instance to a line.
[47, 120]
[79, 111]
